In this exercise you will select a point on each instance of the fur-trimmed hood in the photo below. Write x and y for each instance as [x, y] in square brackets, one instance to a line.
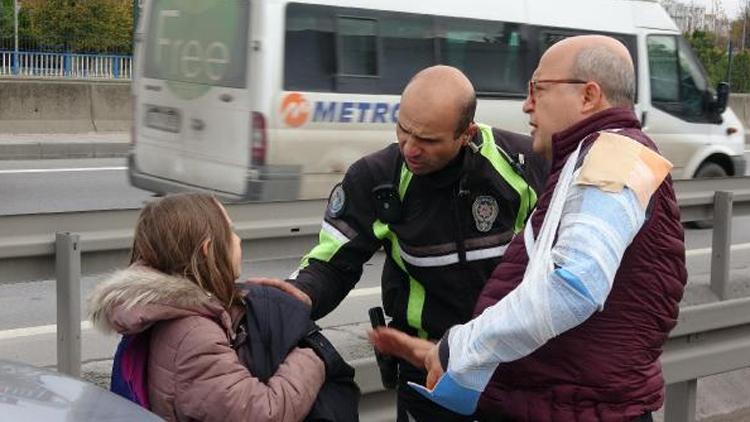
[131, 300]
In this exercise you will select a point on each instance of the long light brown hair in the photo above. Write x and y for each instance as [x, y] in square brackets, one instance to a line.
[170, 235]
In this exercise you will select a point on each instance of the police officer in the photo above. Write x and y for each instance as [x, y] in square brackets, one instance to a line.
[443, 203]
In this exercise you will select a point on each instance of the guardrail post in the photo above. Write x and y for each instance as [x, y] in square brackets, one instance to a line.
[116, 66]
[68, 271]
[680, 406]
[66, 64]
[721, 244]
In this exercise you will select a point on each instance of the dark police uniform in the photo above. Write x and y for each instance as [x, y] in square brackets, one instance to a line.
[443, 234]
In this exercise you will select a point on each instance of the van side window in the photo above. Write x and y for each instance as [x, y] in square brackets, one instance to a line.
[356, 52]
[408, 46]
[678, 84]
[351, 50]
[337, 49]
[357, 49]
[309, 51]
[492, 54]
[664, 69]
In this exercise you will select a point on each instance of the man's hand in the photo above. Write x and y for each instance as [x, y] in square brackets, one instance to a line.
[433, 366]
[284, 286]
[396, 343]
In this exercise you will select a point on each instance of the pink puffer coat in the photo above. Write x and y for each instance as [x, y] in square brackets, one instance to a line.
[193, 373]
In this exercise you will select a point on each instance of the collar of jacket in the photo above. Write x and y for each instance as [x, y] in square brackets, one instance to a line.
[131, 300]
[566, 141]
[448, 175]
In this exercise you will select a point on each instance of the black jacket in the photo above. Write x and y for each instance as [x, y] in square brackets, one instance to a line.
[452, 231]
[275, 323]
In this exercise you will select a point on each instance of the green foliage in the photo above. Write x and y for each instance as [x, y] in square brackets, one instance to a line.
[79, 25]
[716, 60]
[6, 18]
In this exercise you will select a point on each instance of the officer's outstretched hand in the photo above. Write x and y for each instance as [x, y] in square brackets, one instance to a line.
[283, 285]
[393, 342]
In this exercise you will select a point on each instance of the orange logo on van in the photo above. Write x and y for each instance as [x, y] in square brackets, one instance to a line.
[295, 109]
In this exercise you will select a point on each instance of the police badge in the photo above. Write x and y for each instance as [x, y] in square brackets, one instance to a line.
[336, 201]
[485, 210]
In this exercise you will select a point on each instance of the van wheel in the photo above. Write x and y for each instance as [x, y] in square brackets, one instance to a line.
[707, 170]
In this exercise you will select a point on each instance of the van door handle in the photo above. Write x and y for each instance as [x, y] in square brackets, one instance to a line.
[197, 124]
[226, 98]
[156, 88]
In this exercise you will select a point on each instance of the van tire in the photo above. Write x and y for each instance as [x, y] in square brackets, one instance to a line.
[706, 170]
[710, 169]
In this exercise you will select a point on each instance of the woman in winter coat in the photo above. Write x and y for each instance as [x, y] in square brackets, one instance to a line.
[181, 286]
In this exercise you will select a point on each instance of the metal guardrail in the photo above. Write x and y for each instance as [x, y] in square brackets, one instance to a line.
[709, 339]
[696, 203]
[65, 65]
[277, 229]
[696, 196]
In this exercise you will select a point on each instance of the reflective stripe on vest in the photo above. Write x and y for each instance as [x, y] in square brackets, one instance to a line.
[527, 196]
[330, 240]
[382, 231]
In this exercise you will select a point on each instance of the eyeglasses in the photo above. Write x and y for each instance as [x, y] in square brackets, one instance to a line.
[533, 83]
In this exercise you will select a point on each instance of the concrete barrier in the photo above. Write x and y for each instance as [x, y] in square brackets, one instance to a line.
[740, 104]
[44, 106]
[111, 107]
[36, 106]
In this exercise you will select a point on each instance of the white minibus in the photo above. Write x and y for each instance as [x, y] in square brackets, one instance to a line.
[274, 99]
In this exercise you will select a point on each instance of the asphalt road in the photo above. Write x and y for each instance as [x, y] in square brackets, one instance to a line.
[46, 186]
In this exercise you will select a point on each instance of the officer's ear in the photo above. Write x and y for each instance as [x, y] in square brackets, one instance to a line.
[469, 134]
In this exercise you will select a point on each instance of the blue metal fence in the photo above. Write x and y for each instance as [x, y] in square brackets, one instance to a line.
[65, 65]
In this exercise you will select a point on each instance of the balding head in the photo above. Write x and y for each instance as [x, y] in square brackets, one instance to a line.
[447, 86]
[435, 119]
[575, 79]
[603, 60]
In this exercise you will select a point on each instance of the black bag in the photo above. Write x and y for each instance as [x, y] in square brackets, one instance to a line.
[275, 323]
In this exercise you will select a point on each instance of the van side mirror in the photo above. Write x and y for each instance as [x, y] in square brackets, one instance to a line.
[722, 97]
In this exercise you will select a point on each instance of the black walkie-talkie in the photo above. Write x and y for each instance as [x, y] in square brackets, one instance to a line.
[387, 203]
[386, 363]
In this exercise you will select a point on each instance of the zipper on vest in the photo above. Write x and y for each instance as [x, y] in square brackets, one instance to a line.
[458, 203]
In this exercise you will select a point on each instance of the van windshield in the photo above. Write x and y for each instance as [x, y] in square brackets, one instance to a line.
[197, 41]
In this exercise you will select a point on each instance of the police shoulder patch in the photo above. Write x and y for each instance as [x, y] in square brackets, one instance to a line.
[616, 161]
[336, 202]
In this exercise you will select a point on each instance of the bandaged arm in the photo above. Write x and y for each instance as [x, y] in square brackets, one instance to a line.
[595, 229]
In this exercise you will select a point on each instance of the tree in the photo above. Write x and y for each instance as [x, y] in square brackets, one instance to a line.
[716, 60]
[741, 72]
[6, 20]
[81, 25]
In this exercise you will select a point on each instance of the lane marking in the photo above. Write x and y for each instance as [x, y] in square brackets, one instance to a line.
[365, 291]
[37, 331]
[66, 170]
[705, 251]
[356, 293]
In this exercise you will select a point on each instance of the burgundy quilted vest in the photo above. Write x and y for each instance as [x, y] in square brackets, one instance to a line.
[606, 369]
